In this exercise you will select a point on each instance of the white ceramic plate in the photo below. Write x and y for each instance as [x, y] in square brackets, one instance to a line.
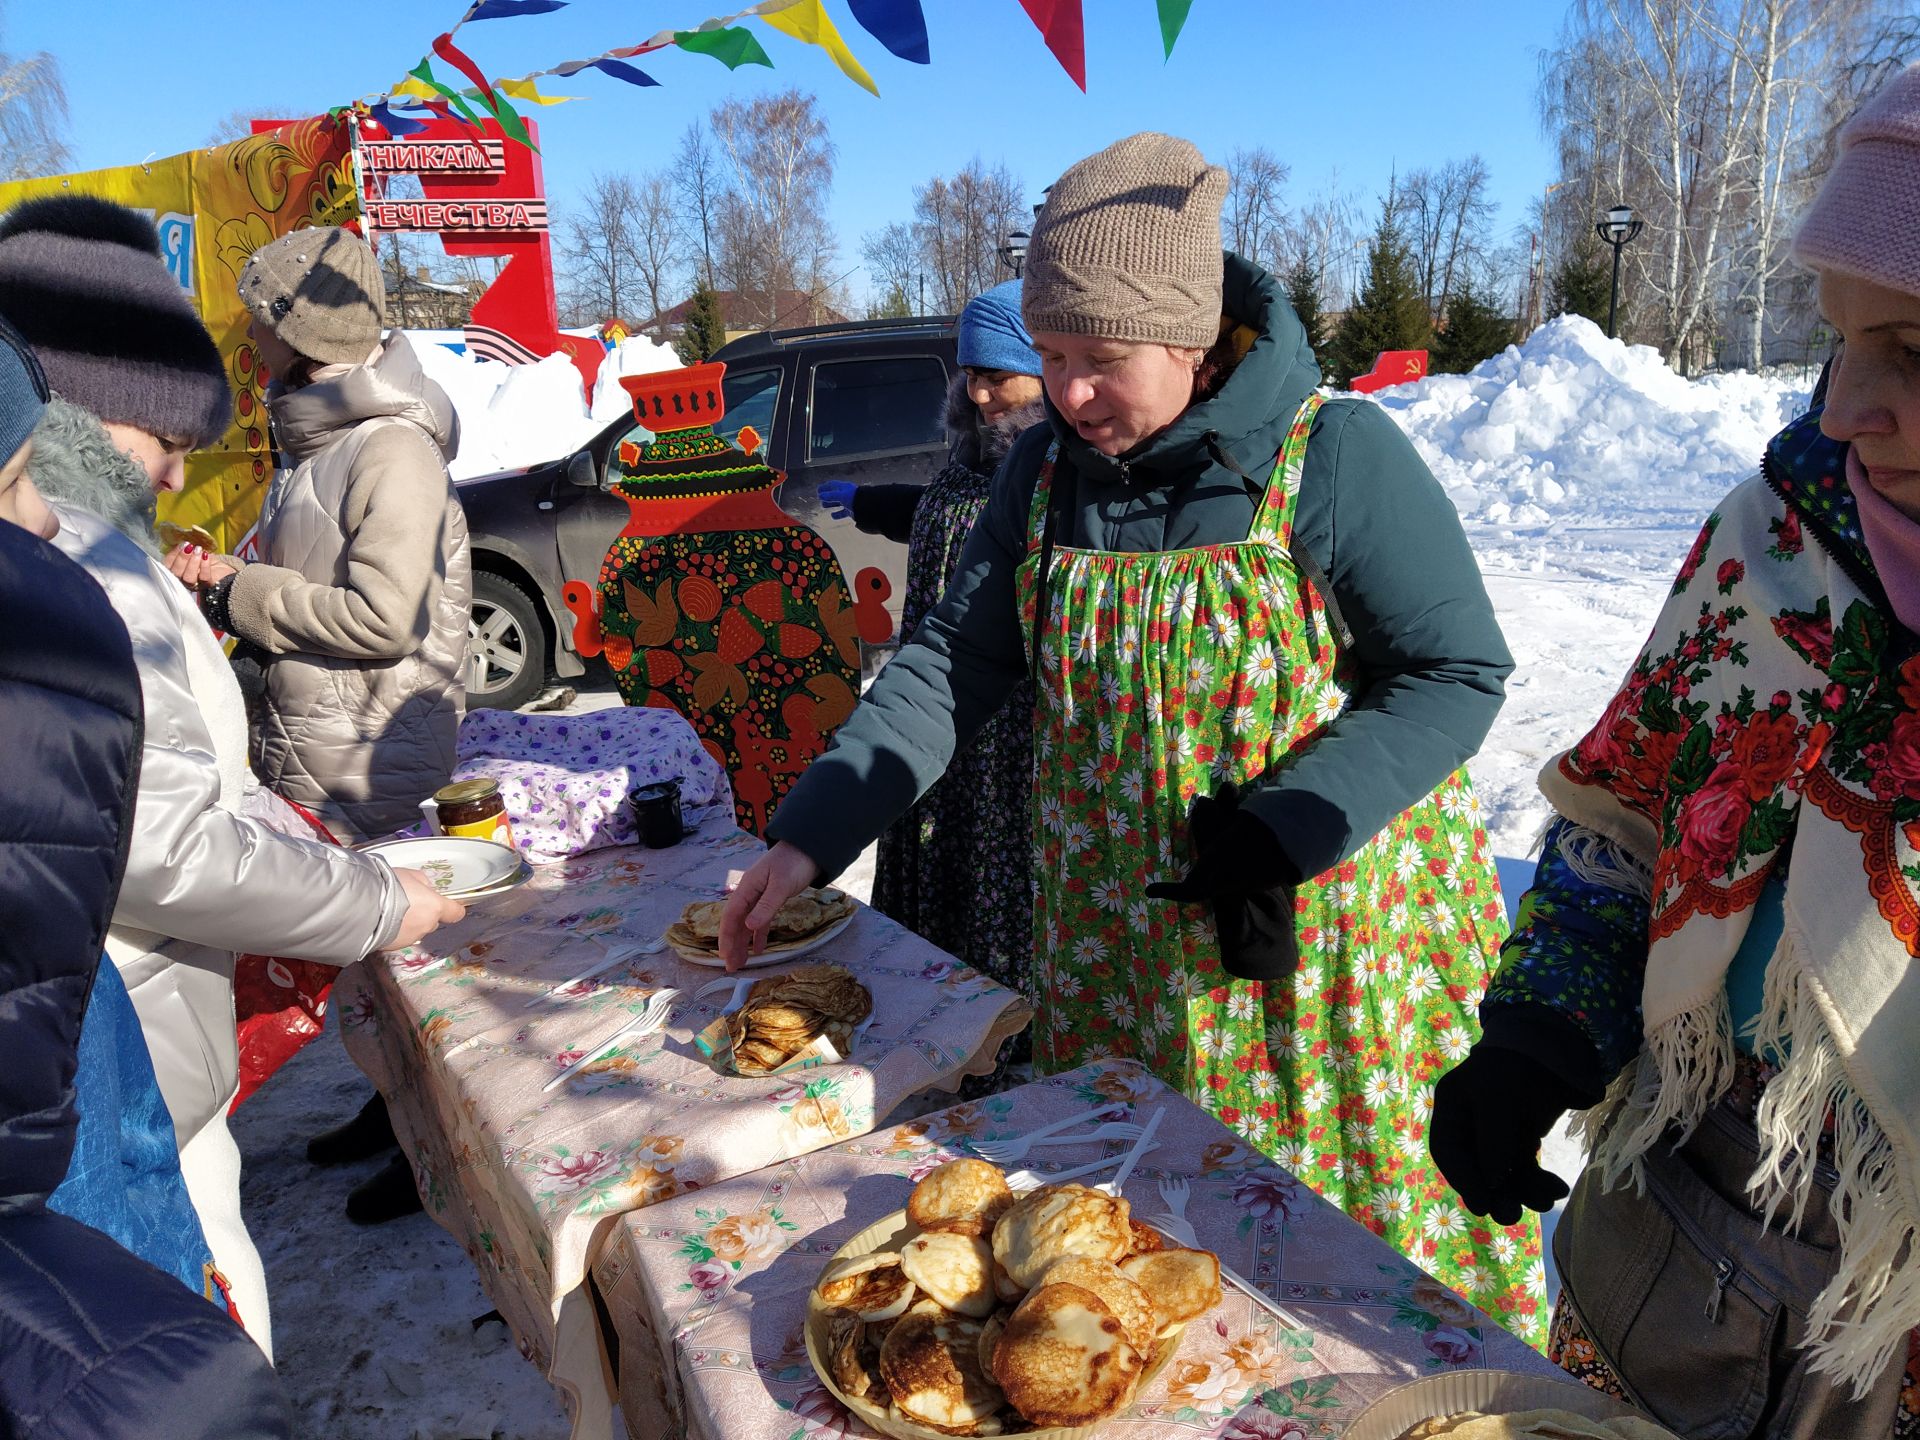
[460, 868]
[771, 957]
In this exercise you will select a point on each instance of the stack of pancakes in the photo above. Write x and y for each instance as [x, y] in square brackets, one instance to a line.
[802, 919]
[1004, 1314]
[785, 1014]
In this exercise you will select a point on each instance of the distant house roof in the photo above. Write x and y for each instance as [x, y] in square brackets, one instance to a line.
[745, 310]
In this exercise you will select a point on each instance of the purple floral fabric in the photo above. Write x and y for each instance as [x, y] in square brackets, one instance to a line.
[565, 778]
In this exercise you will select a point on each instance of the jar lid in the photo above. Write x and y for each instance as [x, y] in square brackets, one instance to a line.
[465, 792]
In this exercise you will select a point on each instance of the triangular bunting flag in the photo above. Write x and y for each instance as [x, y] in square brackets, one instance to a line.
[807, 21]
[423, 72]
[1065, 33]
[502, 9]
[510, 123]
[1173, 17]
[620, 70]
[398, 126]
[733, 46]
[524, 91]
[896, 24]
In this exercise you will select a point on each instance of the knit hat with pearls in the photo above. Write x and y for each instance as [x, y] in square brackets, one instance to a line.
[1866, 220]
[320, 291]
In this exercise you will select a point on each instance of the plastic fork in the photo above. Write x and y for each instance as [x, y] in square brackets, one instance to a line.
[1024, 1180]
[1012, 1149]
[1175, 1226]
[619, 957]
[647, 1022]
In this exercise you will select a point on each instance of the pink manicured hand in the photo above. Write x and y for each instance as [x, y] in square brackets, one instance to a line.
[776, 877]
[196, 568]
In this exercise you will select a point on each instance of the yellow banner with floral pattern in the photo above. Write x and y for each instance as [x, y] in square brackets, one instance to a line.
[213, 209]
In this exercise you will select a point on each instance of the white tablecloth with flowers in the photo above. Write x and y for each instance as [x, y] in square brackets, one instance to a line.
[530, 1182]
[707, 1292]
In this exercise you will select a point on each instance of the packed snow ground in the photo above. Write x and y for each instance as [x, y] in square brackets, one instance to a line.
[1582, 469]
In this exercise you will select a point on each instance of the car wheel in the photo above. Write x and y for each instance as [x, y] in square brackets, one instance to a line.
[506, 646]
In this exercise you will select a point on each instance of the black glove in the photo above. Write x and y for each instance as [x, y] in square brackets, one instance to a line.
[1239, 868]
[1492, 1110]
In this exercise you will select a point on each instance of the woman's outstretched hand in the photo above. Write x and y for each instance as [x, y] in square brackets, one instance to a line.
[776, 877]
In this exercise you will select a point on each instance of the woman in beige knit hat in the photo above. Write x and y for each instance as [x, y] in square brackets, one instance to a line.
[361, 594]
[1263, 652]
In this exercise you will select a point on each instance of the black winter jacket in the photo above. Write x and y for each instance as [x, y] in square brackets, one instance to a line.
[94, 1342]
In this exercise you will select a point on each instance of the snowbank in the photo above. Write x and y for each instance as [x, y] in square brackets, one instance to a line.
[1574, 427]
[521, 414]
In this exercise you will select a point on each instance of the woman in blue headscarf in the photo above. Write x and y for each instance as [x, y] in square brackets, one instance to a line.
[957, 867]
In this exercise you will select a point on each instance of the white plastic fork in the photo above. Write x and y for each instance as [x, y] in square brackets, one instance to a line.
[1024, 1180]
[647, 1022]
[1116, 1130]
[621, 955]
[1175, 1226]
[1012, 1149]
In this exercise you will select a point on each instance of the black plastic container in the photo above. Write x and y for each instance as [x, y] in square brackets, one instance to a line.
[656, 813]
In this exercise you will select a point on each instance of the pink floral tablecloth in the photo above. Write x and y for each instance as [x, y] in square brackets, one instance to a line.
[707, 1292]
[529, 1182]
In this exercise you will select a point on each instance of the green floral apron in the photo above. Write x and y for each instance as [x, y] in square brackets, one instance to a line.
[1159, 677]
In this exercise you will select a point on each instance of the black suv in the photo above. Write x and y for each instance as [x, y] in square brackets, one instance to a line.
[860, 401]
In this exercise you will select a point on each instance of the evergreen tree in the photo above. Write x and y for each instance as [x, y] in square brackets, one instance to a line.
[895, 306]
[1583, 282]
[705, 330]
[1303, 293]
[1477, 327]
[1390, 314]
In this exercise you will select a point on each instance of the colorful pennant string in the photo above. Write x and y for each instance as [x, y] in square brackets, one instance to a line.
[898, 25]
[1173, 18]
[1062, 27]
[504, 114]
[423, 72]
[398, 126]
[525, 92]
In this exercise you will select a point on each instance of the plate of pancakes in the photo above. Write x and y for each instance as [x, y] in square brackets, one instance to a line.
[978, 1312]
[1500, 1405]
[806, 922]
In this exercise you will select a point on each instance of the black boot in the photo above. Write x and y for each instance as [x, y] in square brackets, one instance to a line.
[387, 1196]
[365, 1135]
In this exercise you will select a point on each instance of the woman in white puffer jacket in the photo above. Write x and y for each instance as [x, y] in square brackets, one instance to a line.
[83, 281]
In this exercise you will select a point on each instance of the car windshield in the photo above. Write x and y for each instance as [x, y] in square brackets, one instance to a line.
[861, 407]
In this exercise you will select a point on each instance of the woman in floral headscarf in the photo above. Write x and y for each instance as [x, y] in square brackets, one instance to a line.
[1717, 954]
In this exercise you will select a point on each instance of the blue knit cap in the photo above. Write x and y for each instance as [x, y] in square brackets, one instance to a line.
[23, 391]
[992, 335]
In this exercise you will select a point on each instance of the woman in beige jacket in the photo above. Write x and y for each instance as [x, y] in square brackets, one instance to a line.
[363, 586]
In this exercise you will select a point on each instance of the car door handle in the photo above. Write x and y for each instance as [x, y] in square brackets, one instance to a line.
[544, 505]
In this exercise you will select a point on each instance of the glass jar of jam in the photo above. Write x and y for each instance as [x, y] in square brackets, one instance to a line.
[473, 808]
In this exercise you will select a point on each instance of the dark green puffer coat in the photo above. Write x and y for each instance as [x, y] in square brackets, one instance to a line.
[1432, 663]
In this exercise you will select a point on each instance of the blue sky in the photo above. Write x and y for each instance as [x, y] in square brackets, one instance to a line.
[1341, 92]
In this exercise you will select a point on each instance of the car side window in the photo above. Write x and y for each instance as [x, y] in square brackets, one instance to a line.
[862, 407]
[751, 398]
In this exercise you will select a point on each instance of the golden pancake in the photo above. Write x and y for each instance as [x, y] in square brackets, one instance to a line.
[1181, 1284]
[1003, 1286]
[1064, 1359]
[956, 1270]
[1057, 1221]
[1145, 1239]
[873, 1287]
[990, 1330]
[846, 1337]
[931, 1366]
[964, 1196]
[1127, 1301]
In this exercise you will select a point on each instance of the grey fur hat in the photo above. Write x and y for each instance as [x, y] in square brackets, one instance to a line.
[82, 279]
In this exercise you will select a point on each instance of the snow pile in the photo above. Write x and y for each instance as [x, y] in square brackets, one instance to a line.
[1574, 427]
[514, 415]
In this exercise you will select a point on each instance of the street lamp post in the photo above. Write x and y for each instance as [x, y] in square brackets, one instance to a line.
[1617, 229]
[1014, 252]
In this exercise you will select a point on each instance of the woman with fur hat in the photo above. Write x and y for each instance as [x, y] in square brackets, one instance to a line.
[1262, 652]
[137, 384]
[363, 588]
[1717, 958]
[955, 868]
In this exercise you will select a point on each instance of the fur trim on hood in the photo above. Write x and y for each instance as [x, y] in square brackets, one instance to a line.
[982, 447]
[76, 463]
